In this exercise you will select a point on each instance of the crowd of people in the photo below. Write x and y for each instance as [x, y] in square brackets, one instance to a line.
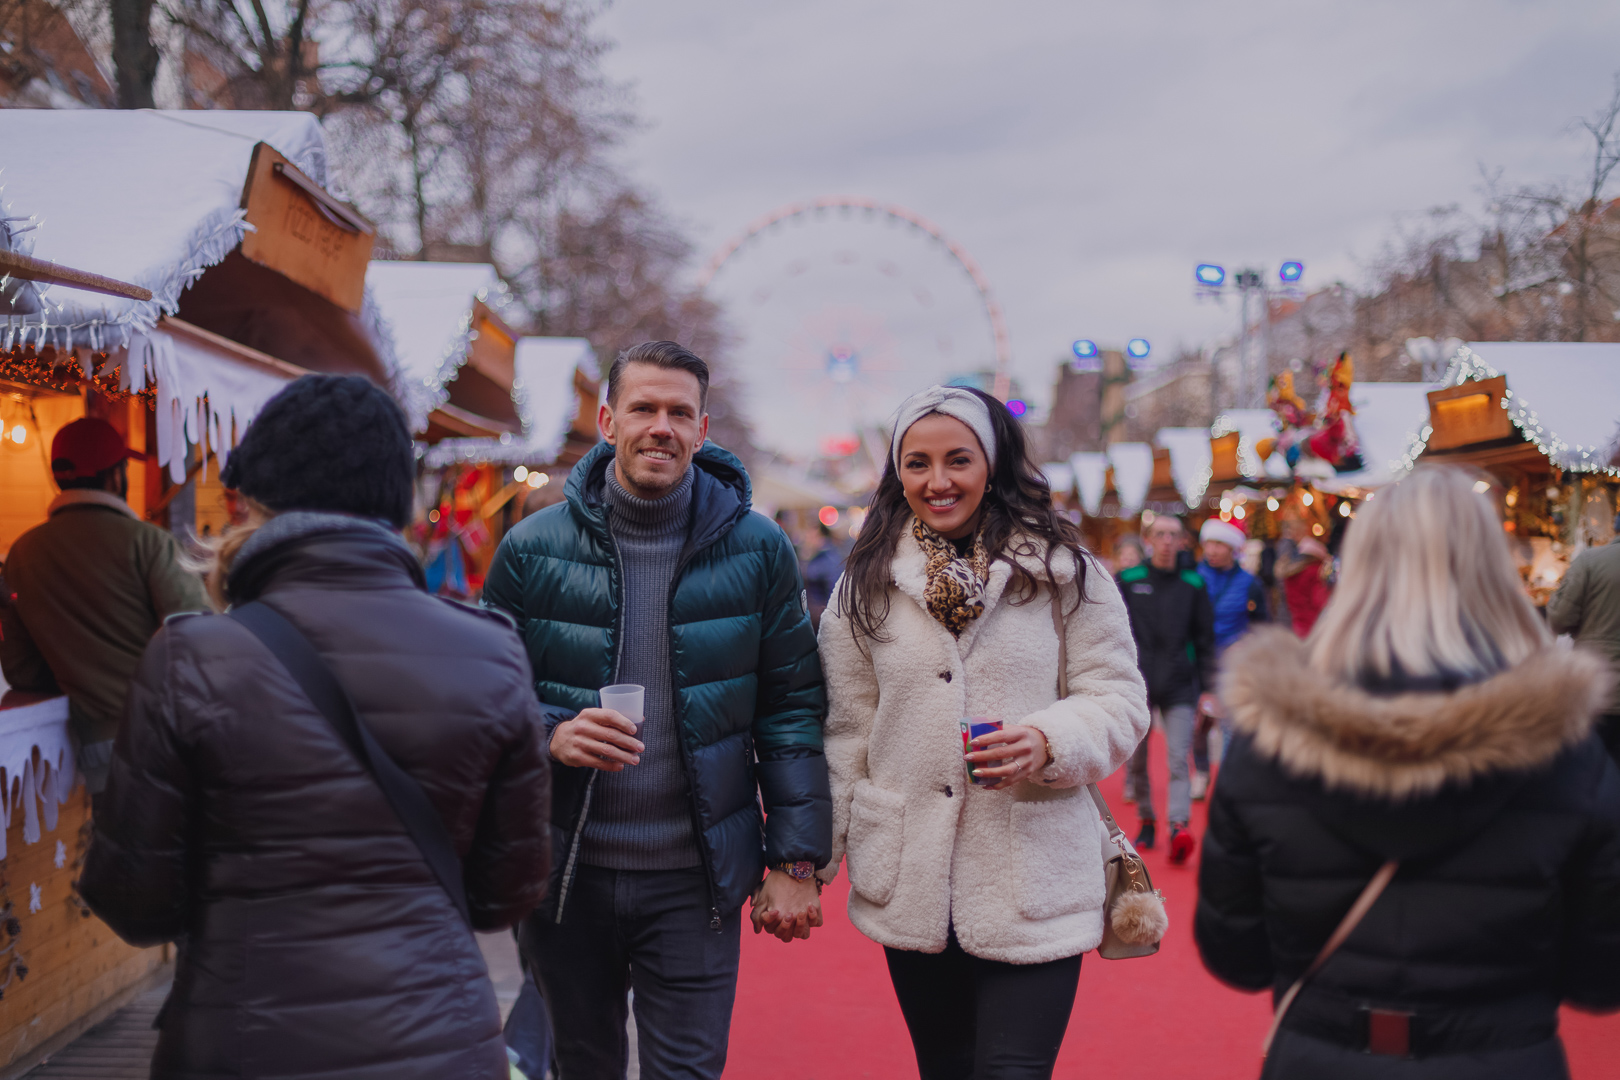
[1414, 837]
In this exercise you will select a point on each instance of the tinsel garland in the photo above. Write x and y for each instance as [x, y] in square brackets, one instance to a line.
[51, 370]
[1467, 366]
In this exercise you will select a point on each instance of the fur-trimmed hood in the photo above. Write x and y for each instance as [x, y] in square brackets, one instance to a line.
[1406, 746]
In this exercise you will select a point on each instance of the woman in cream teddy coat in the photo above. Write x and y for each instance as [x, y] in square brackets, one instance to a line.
[1014, 874]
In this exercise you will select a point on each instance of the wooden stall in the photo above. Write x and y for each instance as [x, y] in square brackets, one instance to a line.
[249, 274]
[1541, 420]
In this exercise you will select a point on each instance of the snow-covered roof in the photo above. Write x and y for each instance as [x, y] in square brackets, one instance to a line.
[1133, 474]
[1563, 395]
[158, 203]
[1192, 460]
[1090, 478]
[546, 400]
[1389, 418]
[427, 307]
[1252, 425]
[149, 197]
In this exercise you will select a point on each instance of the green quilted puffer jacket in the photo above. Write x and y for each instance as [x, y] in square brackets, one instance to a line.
[749, 698]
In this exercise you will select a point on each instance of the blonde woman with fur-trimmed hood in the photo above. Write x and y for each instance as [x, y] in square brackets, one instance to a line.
[1429, 720]
[984, 895]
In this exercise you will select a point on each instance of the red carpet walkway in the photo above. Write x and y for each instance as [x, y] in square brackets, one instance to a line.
[824, 1010]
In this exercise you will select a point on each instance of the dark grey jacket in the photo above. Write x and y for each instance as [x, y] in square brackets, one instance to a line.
[317, 942]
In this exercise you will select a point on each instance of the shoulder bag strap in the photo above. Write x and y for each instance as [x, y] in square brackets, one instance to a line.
[1351, 920]
[312, 674]
[1115, 833]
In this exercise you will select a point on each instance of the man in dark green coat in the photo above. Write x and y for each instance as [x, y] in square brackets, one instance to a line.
[656, 572]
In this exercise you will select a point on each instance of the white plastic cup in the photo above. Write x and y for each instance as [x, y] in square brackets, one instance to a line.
[627, 699]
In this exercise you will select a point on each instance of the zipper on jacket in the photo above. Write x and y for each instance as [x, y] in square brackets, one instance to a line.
[686, 763]
[573, 848]
[590, 785]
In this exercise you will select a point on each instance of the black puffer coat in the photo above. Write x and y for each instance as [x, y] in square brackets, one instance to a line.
[749, 698]
[1505, 815]
[315, 940]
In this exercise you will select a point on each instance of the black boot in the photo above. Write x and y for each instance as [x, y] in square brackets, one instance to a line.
[1145, 838]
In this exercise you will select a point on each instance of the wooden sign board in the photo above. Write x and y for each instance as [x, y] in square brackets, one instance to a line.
[303, 233]
[494, 346]
[1469, 414]
[1224, 458]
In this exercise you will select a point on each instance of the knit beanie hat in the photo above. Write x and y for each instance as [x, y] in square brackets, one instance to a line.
[328, 442]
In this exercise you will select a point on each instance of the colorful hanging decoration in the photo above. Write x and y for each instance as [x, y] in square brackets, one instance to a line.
[1304, 439]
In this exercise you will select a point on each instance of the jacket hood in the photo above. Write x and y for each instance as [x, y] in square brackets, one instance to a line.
[1407, 745]
[721, 493]
[338, 550]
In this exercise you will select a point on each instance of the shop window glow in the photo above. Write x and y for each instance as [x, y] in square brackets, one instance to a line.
[19, 434]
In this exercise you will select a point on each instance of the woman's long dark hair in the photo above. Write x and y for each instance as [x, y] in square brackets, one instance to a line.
[1019, 502]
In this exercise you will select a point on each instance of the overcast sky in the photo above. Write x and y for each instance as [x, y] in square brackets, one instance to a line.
[1089, 154]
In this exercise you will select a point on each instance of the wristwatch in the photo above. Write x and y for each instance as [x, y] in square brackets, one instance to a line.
[798, 871]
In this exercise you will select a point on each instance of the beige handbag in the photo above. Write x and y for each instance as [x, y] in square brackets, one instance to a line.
[1134, 919]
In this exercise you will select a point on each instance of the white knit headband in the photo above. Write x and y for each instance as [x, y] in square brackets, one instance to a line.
[947, 401]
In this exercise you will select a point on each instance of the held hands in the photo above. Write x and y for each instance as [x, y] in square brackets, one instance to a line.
[785, 907]
[597, 739]
[1019, 750]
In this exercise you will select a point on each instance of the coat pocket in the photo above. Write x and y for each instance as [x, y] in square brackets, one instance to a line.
[1056, 859]
[876, 820]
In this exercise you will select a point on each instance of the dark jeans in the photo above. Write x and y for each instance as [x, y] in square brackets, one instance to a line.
[646, 930]
[973, 1019]
[1608, 727]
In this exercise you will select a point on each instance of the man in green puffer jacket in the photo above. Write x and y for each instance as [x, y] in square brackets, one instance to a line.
[656, 572]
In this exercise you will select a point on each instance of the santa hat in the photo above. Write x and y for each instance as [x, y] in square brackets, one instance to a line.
[1229, 533]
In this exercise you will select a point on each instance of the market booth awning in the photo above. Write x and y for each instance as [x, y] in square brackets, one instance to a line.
[1543, 419]
[1532, 404]
[455, 351]
[224, 218]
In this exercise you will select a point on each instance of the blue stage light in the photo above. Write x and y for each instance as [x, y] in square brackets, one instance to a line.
[1291, 271]
[1210, 274]
[1085, 350]
[1138, 348]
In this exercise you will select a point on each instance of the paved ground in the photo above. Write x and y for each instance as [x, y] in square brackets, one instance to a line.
[120, 1048]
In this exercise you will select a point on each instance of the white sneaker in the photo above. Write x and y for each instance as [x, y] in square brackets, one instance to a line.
[1200, 785]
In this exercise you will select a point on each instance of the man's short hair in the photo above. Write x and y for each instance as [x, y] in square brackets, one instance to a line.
[1181, 526]
[94, 482]
[664, 354]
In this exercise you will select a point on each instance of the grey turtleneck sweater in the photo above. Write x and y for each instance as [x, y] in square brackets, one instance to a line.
[641, 818]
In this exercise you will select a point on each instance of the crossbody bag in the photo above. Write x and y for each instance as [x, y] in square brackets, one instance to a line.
[316, 679]
[1134, 920]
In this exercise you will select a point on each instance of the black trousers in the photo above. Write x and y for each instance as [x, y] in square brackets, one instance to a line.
[974, 1019]
[646, 930]
[1608, 727]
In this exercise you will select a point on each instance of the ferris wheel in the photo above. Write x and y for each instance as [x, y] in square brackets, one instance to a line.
[843, 306]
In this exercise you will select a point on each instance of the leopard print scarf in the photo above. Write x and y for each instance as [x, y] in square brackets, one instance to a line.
[955, 590]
